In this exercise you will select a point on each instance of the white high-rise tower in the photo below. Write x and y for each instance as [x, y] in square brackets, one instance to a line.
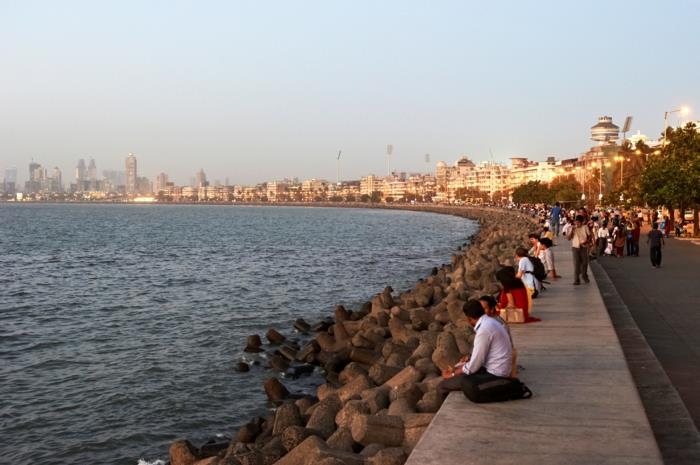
[131, 174]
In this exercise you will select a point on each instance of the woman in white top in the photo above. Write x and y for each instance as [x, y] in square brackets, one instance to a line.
[603, 235]
[547, 258]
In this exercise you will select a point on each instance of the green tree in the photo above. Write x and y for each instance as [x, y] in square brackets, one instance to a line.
[376, 197]
[672, 177]
[565, 189]
[532, 192]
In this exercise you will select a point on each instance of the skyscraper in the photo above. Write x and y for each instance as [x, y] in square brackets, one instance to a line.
[131, 175]
[92, 175]
[10, 181]
[201, 179]
[80, 176]
[80, 171]
[56, 182]
[161, 181]
[36, 178]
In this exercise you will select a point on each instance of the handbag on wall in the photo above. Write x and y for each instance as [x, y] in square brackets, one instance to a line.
[513, 315]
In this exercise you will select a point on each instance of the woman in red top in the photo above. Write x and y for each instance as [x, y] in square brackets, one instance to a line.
[514, 293]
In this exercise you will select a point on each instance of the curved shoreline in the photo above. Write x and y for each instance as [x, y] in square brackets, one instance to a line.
[382, 361]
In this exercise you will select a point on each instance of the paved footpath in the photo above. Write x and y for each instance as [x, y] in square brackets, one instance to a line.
[665, 304]
[655, 313]
[585, 408]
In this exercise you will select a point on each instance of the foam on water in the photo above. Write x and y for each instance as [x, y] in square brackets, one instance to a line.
[154, 462]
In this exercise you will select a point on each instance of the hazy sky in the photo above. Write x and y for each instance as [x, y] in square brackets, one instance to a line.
[262, 90]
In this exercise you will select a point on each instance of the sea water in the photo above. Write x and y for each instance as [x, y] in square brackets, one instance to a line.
[120, 325]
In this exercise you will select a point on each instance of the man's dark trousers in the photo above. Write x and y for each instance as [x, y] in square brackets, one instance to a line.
[455, 383]
[580, 263]
[655, 255]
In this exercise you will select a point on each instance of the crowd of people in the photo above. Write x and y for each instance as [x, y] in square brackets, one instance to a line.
[598, 233]
[606, 233]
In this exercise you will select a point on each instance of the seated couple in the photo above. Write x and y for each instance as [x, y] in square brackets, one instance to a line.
[493, 351]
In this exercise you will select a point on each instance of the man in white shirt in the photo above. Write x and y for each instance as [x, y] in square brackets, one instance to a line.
[603, 235]
[580, 237]
[492, 352]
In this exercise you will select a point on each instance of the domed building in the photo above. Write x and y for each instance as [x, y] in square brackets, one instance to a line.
[605, 131]
[464, 162]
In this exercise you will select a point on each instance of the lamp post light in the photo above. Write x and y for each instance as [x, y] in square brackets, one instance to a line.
[594, 165]
[682, 110]
[621, 159]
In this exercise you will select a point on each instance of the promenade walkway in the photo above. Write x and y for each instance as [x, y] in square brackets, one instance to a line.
[655, 314]
[585, 408]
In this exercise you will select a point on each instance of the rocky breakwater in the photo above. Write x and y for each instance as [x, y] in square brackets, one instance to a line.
[382, 363]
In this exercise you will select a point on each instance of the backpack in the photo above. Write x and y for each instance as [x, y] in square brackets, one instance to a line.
[540, 273]
[485, 387]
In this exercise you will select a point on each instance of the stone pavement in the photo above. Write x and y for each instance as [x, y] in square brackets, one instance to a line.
[655, 312]
[585, 408]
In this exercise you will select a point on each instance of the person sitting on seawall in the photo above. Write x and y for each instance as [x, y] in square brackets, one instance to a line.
[490, 305]
[526, 271]
[492, 354]
[534, 244]
[513, 293]
[547, 258]
[546, 233]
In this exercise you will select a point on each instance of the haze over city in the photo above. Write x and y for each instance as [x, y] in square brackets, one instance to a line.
[253, 92]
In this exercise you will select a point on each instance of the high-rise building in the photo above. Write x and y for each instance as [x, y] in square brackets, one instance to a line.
[201, 179]
[80, 171]
[56, 181]
[131, 175]
[81, 176]
[92, 175]
[37, 177]
[161, 182]
[143, 186]
[9, 182]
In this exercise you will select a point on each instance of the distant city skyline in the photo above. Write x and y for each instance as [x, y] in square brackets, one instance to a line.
[254, 92]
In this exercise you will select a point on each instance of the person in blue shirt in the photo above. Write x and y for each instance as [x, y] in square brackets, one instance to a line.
[554, 219]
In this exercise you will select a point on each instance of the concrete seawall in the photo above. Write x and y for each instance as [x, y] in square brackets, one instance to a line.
[585, 408]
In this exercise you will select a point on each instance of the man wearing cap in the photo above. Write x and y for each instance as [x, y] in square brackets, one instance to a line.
[580, 237]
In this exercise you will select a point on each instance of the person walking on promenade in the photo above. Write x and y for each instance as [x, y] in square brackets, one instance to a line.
[580, 237]
[592, 251]
[636, 231]
[603, 235]
[667, 226]
[655, 239]
[554, 217]
[619, 240]
[628, 235]
[568, 226]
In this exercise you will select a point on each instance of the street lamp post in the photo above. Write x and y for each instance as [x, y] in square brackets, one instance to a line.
[621, 159]
[681, 110]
